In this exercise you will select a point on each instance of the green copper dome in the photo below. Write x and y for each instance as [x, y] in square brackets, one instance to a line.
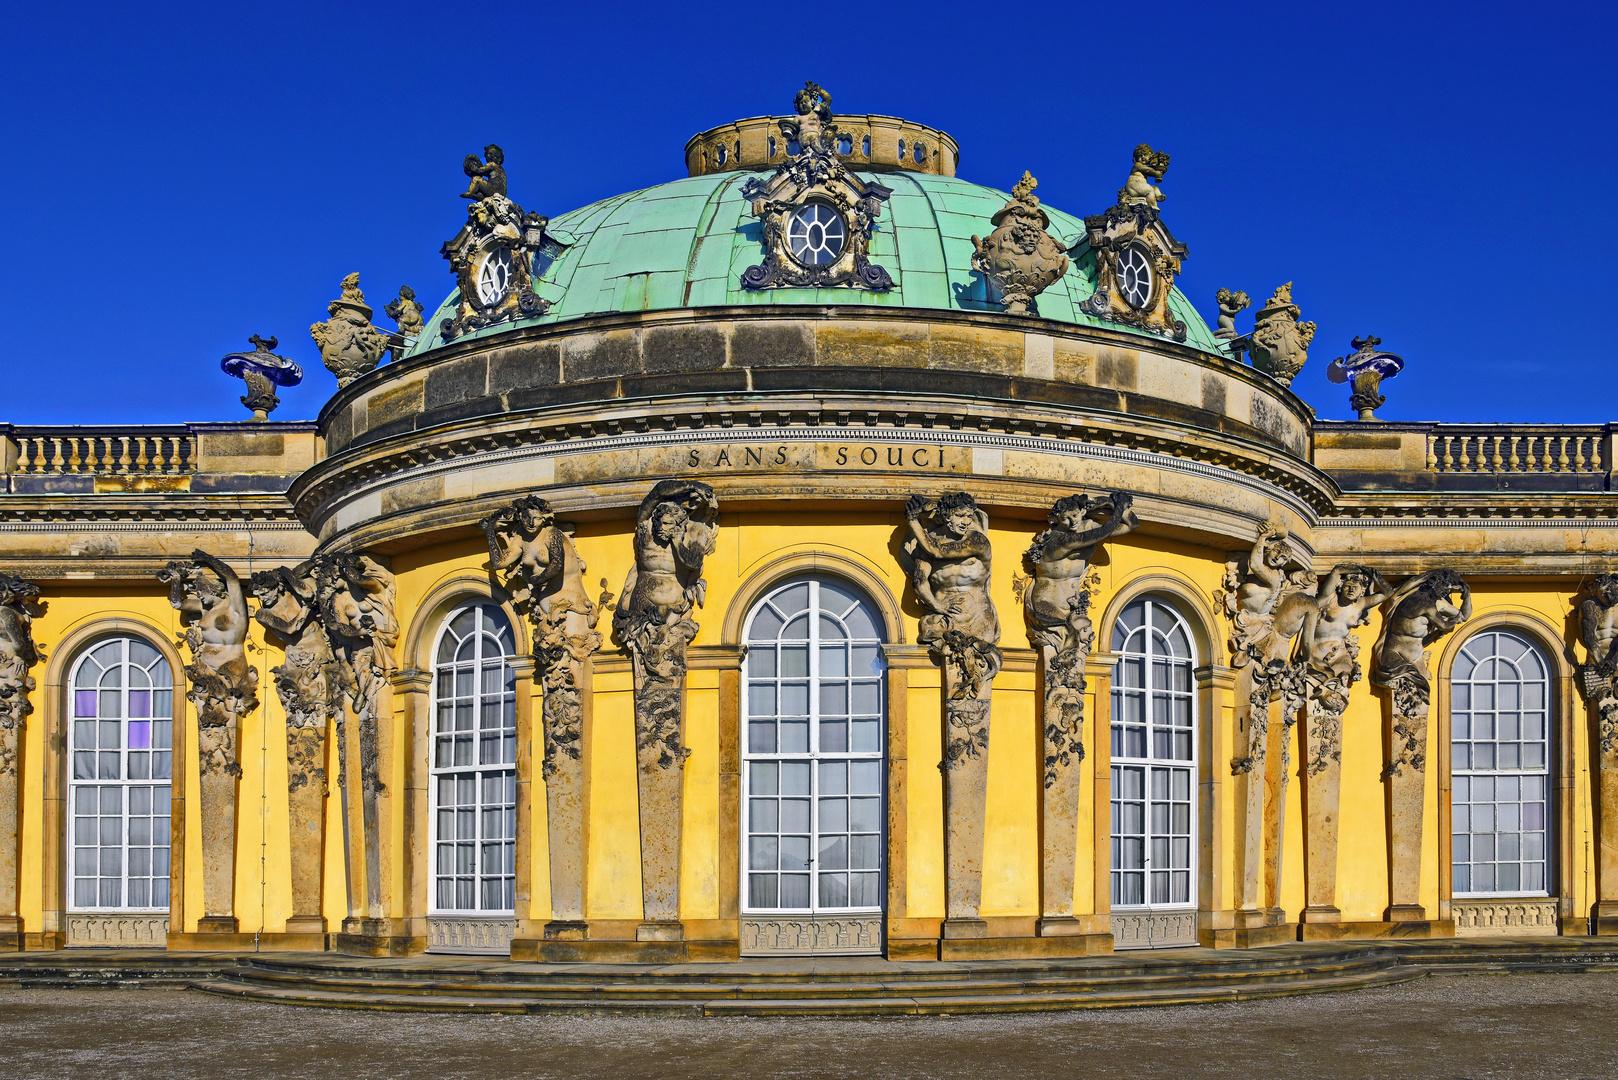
[685, 244]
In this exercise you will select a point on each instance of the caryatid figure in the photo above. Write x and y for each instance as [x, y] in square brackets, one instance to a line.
[1419, 613]
[1058, 610]
[676, 528]
[1598, 630]
[1330, 651]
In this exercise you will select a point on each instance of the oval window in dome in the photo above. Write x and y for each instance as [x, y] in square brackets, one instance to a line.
[495, 277]
[1135, 277]
[723, 153]
[921, 154]
[817, 234]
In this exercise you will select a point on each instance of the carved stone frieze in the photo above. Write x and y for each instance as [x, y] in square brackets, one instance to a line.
[492, 257]
[676, 529]
[1505, 918]
[1137, 258]
[1419, 613]
[1020, 257]
[1279, 343]
[449, 934]
[263, 371]
[349, 345]
[1153, 930]
[817, 216]
[118, 931]
[18, 654]
[820, 935]
[1364, 370]
[1598, 675]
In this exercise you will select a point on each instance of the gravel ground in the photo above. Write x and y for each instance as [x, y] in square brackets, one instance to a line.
[1473, 1027]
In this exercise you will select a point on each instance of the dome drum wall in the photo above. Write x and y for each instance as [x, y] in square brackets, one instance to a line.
[872, 142]
[842, 405]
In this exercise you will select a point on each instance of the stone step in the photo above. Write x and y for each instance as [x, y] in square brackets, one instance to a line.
[847, 1005]
[494, 985]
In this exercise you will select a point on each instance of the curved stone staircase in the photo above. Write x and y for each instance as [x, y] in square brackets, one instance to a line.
[810, 987]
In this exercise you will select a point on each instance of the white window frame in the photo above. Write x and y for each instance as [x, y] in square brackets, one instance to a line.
[814, 756]
[477, 770]
[162, 788]
[1190, 766]
[1468, 688]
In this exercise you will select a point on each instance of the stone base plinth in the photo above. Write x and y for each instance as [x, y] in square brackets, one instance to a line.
[1340, 931]
[1604, 919]
[11, 934]
[218, 924]
[606, 952]
[1024, 948]
[210, 942]
[660, 930]
[1248, 937]
[306, 924]
[377, 937]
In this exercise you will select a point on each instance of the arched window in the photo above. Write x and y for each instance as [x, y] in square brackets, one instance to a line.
[815, 737]
[474, 774]
[120, 752]
[1500, 767]
[1154, 750]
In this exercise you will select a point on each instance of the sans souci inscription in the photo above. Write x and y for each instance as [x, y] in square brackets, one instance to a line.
[830, 456]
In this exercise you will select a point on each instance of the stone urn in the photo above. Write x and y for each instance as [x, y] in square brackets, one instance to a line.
[349, 345]
[1279, 343]
[1020, 257]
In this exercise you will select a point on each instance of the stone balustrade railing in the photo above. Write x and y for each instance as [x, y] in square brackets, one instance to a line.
[70, 451]
[1494, 449]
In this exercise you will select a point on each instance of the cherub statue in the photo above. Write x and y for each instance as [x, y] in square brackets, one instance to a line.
[1055, 602]
[487, 179]
[1138, 189]
[406, 312]
[1598, 630]
[1230, 304]
[209, 597]
[813, 127]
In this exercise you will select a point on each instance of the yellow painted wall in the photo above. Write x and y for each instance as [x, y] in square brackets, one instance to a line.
[747, 542]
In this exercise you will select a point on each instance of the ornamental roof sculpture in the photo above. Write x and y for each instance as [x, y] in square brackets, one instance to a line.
[818, 216]
[1279, 343]
[1020, 257]
[1137, 257]
[492, 256]
[349, 345]
[1364, 370]
[263, 371]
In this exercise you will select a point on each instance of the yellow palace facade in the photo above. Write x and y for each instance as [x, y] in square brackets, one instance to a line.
[818, 554]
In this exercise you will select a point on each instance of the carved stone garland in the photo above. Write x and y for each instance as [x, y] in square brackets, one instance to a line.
[1419, 613]
[813, 204]
[307, 684]
[675, 530]
[1056, 603]
[223, 689]
[1137, 258]
[18, 605]
[544, 576]
[946, 553]
[492, 257]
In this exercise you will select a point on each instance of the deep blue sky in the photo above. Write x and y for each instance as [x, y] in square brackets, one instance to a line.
[179, 178]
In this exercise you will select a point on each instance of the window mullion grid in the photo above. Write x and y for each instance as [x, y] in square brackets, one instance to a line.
[123, 776]
[814, 746]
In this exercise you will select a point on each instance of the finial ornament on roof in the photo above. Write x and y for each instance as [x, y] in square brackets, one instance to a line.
[263, 371]
[1137, 258]
[1020, 257]
[1279, 342]
[1364, 370]
[349, 345]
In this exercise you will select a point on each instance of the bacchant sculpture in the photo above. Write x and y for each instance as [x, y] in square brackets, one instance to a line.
[1419, 613]
[1598, 630]
[209, 597]
[18, 603]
